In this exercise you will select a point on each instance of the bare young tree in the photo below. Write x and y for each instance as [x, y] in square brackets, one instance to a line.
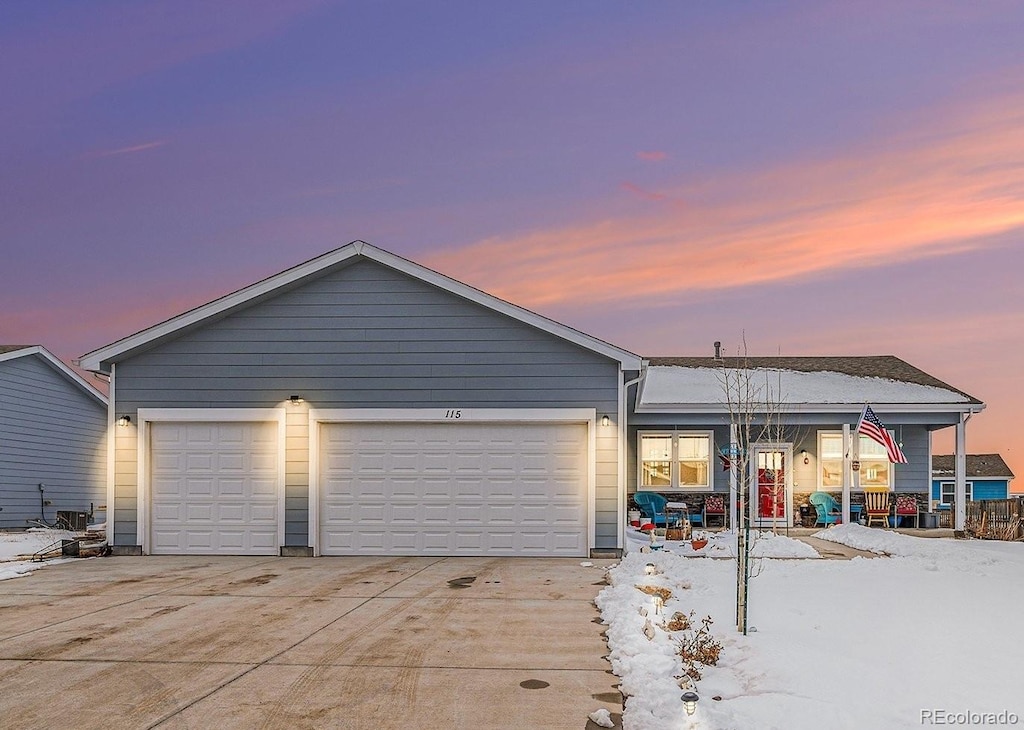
[754, 401]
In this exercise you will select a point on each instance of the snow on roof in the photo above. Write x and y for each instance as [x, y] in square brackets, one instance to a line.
[671, 385]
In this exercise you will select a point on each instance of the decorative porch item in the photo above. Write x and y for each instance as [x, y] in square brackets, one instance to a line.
[876, 505]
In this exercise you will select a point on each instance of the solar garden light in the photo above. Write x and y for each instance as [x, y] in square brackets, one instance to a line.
[690, 702]
[649, 569]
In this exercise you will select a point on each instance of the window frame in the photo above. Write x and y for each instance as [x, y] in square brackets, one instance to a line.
[675, 435]
[891, 480]
[968, 492]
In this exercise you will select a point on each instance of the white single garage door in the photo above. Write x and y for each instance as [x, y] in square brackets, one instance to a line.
[213, 488]
[453, 489]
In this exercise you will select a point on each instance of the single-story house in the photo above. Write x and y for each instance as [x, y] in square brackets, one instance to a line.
[804, 411]
[53, 436]
[987, 477]
[360, 403]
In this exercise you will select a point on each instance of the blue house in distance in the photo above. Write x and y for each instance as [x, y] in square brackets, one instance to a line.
[988, 477]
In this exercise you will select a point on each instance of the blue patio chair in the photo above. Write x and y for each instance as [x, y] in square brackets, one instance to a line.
[652, 507]
[829, 512]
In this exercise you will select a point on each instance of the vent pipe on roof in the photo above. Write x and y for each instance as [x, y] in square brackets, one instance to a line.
[718, 350]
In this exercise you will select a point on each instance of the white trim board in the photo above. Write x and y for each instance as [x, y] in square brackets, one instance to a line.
[147, 416]
[96, 359]
[319, 416]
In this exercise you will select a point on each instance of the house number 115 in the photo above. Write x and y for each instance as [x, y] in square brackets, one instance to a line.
[453, 414]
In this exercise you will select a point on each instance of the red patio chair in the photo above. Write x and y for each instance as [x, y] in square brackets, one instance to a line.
[714, 506]
[906, 507]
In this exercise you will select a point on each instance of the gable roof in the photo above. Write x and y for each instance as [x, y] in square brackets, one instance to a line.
[813, 382]
[13, 352]
[979, 466]
[99, 360]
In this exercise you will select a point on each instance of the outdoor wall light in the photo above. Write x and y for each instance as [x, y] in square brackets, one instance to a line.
[295, 400]
[124, 420]
[806, 458]
[605, 420]
[690, 702]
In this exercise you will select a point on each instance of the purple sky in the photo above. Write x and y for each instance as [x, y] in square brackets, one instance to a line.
[829, 178]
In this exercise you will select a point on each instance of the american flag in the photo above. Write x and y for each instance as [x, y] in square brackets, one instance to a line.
[870, 426]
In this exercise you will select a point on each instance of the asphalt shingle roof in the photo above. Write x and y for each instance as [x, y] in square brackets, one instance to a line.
[978, 465]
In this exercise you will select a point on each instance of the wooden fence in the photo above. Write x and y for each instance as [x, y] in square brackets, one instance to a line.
[996, 519]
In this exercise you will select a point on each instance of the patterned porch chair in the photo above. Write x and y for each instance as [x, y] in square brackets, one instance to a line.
[826, 507]
[652, 507]
[714, 506]
[876, 505]
[906, 508]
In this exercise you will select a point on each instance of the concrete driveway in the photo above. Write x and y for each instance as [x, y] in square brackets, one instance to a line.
[232, 642]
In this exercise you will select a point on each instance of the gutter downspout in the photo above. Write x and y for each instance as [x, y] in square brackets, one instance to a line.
[623, 394]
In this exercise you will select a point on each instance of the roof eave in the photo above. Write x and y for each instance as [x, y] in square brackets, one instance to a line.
[817, 407]
[100, 360]
[57, 364]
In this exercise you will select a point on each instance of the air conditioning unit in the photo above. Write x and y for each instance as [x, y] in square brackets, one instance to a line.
[71, 520]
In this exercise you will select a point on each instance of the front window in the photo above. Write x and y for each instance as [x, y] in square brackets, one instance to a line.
[830, 456]
[875, 469]
[675, 460]
[656, 461]
[949, 492]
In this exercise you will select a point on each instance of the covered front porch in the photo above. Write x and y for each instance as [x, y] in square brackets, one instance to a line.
[795, 436]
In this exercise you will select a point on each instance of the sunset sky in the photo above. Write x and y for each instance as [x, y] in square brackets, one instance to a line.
[826, 177]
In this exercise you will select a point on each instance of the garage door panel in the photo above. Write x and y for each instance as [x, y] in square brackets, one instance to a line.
[214, 488]
[453, 489]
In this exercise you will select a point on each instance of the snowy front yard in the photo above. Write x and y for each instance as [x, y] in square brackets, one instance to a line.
[16, 549]
[864, 643]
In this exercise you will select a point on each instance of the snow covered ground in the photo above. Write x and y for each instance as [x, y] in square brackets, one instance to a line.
[864, 643]
[16, 549]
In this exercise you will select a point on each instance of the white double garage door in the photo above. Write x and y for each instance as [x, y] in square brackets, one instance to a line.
[378, 488]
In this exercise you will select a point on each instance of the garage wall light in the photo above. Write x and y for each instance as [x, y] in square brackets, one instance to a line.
[296, 400]
[124, 420]
[605, 420]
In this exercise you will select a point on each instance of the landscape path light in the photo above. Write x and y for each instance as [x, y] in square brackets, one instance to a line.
[690, 702]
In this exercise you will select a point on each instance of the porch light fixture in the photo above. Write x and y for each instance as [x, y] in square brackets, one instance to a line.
[605, 420]
[804, 454]
[295, 400]
[124, 420]
[690, 702]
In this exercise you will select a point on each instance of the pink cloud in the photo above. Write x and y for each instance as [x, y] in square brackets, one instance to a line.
[127, 150]
[652, 156]
[940, 189]
[641, 192]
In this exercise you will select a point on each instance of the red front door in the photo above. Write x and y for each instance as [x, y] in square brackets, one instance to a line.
[771, 485]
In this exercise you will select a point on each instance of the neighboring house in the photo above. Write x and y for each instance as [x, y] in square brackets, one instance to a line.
[679, 429]
[360, 403]
[987, 477]
[53, 427]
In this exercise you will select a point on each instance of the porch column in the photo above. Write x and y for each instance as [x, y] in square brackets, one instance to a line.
[733, 451]
[960, 472]
[847, 476]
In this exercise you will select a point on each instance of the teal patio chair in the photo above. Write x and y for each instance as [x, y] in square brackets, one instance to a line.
[828, 509]
[652, 507]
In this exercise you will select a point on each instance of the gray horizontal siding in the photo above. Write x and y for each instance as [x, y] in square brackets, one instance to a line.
[364, 336]
[51, 432]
